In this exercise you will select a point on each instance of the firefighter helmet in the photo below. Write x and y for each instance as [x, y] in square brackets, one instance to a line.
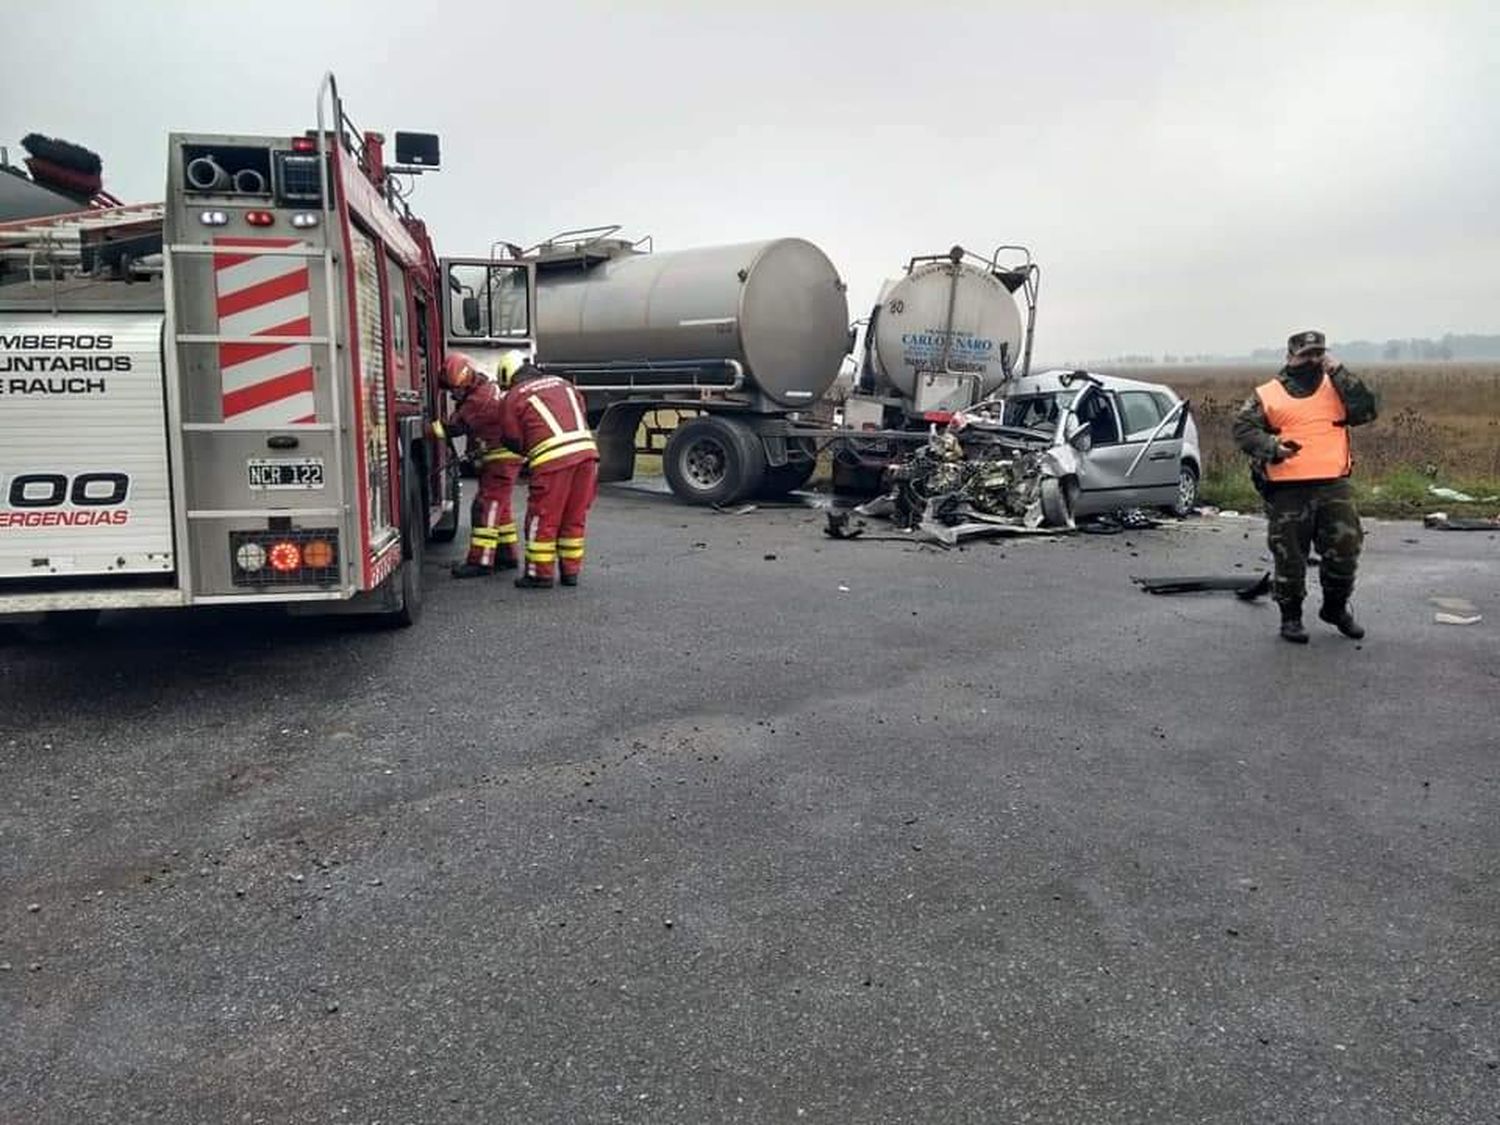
[510, 363]
[459, 373]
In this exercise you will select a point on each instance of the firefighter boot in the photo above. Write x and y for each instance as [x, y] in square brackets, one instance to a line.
[568, 579]
[470, 570]
[506, 559]
[1291, 624]
[533, 582]
[1335, 611]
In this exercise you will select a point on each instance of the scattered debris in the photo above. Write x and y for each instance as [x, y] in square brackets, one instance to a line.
[1457, 619]
[1442, 521]
[843, 525]
[1126, 519]
[739, 510]
[1244, 586]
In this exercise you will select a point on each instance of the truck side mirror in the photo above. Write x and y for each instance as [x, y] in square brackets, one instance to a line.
[471, 315]
[419, 150]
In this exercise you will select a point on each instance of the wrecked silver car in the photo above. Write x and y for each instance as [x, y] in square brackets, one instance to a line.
[1049, 451]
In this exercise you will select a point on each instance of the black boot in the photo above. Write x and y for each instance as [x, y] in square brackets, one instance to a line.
[506, 562]
[1335, 611]
[470, 570]
[532, 582]
[568, 579]
[1291, 624]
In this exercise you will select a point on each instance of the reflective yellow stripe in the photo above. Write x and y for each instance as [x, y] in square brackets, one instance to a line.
[584, 444]
[547, 444]
[485, 539]
[508, 538]
[562, 542]
[572, 554]
[438, 431]
[500, 455]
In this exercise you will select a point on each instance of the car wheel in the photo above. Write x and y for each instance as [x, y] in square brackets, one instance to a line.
[1187, 491]
[1059, 500]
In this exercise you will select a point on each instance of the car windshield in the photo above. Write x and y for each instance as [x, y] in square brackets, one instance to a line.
[1037, 412]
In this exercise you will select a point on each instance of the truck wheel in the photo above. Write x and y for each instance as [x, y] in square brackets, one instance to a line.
[1059, 499]
[714, 460]
[447, 528]
[782, 479]
[408, 578]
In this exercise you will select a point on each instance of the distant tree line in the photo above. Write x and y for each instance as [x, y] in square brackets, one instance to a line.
[1452, 346]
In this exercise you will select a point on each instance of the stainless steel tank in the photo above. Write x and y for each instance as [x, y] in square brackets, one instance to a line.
[942, 316]
[777, 307]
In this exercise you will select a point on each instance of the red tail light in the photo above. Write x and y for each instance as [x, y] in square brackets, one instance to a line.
[304, 144]
[259, 218]
[285, 556]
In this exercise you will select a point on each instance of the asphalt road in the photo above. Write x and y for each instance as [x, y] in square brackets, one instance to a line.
[756, 826]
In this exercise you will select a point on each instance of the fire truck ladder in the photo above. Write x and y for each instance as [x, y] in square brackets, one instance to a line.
[173, 254]
[83, 242]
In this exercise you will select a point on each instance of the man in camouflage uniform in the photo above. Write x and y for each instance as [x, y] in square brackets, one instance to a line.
[1295, 430]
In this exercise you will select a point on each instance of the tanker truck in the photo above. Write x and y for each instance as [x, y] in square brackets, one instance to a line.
[733, 344]
[943, 336]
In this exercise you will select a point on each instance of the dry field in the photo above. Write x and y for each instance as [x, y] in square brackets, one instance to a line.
[1439, 424]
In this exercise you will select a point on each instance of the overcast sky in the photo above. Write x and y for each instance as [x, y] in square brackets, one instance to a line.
[1191, 177]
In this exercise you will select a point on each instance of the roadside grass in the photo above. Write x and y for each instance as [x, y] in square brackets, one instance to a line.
[1439, 425]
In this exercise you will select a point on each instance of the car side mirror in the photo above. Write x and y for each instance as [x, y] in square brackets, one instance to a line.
[1077, 434]
[471, 315]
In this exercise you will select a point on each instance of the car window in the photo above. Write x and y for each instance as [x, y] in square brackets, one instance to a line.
[1036, 412]
[1095, 411]
[1140, 411]
[1164, 401]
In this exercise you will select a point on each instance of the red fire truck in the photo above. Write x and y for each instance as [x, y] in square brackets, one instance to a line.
[221, 399]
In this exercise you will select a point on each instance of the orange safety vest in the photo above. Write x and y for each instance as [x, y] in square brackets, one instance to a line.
[1311, 422]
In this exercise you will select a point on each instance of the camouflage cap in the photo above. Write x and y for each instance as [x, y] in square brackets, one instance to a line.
[1309, 341]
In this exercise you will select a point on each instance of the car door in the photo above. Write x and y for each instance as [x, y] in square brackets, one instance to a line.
[1155, 439]
[1118, 471]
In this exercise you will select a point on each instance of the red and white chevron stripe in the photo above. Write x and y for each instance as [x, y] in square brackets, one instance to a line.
[264, 295]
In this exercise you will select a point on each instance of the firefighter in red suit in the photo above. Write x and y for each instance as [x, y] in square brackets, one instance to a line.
[544, 420]
[492, 525]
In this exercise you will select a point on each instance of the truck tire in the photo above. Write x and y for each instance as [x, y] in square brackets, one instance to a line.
[714, 460]
[447, 527]
[1059, 499]
[779, 480]
[408, 577]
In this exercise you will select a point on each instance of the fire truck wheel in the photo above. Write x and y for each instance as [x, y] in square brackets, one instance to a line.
[414, 547]
[447, 528]
[714, 460]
